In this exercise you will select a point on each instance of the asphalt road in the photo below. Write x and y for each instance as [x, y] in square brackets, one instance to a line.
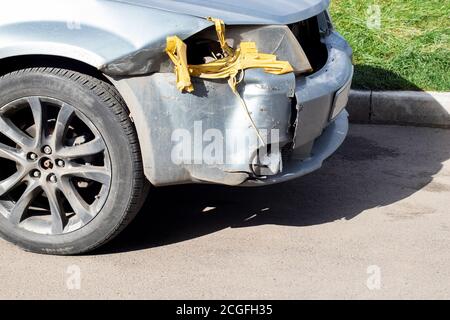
[373, 223]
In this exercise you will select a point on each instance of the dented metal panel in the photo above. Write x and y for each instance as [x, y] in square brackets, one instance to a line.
[162, 108]
[165, 109]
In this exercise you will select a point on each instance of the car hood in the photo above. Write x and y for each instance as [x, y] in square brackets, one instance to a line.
[241, 11]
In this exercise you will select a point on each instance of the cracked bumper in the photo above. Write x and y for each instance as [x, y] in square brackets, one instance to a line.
[159, 109]
[330, 140]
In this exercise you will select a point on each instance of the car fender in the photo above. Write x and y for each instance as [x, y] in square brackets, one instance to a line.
[94, 32]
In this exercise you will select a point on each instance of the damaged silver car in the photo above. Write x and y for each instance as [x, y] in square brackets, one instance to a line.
[101, 99]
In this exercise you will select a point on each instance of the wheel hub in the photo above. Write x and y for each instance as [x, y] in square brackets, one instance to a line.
[46, 164]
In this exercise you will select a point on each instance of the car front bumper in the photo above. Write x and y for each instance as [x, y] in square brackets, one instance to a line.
[281, 102]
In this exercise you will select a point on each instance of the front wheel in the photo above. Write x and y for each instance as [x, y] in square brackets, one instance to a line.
[71, 174]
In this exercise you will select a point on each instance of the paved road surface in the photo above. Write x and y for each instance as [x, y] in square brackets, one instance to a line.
[373, 223]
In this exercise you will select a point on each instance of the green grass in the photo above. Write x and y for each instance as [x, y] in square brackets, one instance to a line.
[411, 50]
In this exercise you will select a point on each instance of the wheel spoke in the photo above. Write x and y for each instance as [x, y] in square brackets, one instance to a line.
[86, 149]
[7, 152]
[10, 183]
[59, 218]
[79, 206]
[39, 119]
[89, 172]
[62, 123]
[21, 206]
[15, 134]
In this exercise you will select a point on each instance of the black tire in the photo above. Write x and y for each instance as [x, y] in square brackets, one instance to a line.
[99, 102]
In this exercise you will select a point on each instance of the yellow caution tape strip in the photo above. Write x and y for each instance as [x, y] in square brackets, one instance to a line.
[177, 51]
[246, 56]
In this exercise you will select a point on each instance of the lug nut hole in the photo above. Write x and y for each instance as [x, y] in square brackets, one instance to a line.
[32, 156]
[60, 163]
[46, 164]
[47, 150]
[35, 174]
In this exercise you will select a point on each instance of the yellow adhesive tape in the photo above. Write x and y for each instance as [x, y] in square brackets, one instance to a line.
[246, 56]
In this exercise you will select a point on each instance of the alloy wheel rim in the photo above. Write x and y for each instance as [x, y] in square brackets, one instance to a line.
[57, 172]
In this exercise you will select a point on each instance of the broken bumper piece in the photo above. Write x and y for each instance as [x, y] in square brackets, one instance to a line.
[330, 140]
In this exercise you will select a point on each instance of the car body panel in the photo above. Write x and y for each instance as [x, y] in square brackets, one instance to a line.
[62, 28]
[108, 41]
[235, 12]
[213, 105]
[126, 39]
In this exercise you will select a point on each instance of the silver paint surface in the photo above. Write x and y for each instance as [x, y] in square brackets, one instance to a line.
[125, 39]
[241, 11]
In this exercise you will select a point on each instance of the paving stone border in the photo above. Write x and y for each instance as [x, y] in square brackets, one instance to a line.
[400, 107]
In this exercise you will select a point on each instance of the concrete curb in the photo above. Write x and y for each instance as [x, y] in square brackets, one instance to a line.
[431, 109]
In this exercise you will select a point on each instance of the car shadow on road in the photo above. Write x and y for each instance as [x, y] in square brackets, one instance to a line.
[376, 166]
